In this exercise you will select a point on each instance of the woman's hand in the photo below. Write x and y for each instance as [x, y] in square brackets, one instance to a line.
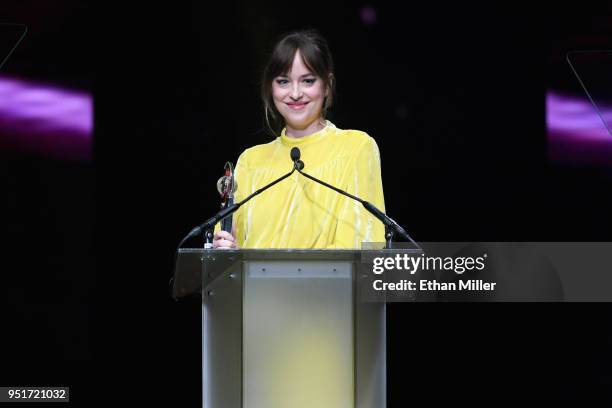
[224, 240]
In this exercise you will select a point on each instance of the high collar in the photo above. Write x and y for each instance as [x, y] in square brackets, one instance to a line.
[305, 140]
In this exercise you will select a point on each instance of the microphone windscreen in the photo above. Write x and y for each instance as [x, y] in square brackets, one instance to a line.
[295, 154]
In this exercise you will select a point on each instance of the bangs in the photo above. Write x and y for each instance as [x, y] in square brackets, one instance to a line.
[282, 60]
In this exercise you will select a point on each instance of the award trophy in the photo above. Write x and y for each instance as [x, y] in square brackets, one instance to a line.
[226, 186]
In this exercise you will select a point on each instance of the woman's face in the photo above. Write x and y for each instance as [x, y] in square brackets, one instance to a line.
[298, 96]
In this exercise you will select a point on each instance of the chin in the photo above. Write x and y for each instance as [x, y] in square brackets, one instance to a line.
[299, 124]
[296, 120]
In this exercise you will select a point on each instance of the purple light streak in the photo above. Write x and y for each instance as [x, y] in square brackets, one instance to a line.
[45, 119]
[576, 133]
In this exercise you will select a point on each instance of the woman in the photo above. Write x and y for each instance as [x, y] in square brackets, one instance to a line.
[297, 91]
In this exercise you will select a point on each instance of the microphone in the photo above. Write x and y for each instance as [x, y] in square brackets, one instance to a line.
[295, 156]
[391, 226]
[229, 210]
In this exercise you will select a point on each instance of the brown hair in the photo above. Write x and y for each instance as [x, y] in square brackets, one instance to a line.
[317, 58]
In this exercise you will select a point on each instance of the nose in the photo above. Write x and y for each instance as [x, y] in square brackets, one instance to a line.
[296, 92]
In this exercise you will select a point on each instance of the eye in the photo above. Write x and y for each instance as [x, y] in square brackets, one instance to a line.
[282, 81]
[310, 81]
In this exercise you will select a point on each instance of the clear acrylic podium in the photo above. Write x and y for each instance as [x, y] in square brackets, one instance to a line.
[285, 328]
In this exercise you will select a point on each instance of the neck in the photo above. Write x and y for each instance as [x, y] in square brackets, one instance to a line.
[308, 130]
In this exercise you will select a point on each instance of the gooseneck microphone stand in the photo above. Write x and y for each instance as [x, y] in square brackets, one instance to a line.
[392, 228]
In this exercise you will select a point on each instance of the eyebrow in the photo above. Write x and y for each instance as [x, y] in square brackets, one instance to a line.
[301, 76]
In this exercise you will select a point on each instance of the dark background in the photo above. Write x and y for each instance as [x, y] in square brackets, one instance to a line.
[454, 97]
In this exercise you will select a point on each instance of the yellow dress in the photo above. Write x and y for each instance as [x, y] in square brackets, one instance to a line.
[300, 213]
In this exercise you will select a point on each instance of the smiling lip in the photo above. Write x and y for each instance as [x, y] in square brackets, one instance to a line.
[297, 106]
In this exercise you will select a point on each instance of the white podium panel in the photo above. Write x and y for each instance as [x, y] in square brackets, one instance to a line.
[298, 335]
